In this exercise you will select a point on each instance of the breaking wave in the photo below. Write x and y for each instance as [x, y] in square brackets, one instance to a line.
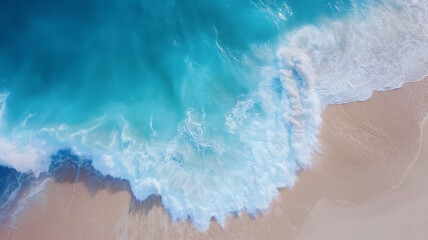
[228, 150]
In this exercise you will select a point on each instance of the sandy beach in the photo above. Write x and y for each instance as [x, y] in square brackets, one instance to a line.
[368, 181]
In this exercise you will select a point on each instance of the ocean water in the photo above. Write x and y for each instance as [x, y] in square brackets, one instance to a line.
[213, 105]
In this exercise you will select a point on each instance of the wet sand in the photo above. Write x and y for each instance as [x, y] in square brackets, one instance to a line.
[367, 182]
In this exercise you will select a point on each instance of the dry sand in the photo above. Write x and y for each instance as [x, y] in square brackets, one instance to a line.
[367, 182]
[401, 213]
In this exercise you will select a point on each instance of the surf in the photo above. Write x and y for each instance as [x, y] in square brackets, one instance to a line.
[213, 113]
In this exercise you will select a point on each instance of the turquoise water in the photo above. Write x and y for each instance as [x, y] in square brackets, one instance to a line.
[211, 104]
[71, 62]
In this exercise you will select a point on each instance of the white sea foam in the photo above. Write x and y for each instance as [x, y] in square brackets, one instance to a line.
[22, 157]
[271, 132]
[378, 49]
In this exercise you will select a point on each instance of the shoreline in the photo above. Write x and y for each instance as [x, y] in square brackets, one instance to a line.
[347, 126]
